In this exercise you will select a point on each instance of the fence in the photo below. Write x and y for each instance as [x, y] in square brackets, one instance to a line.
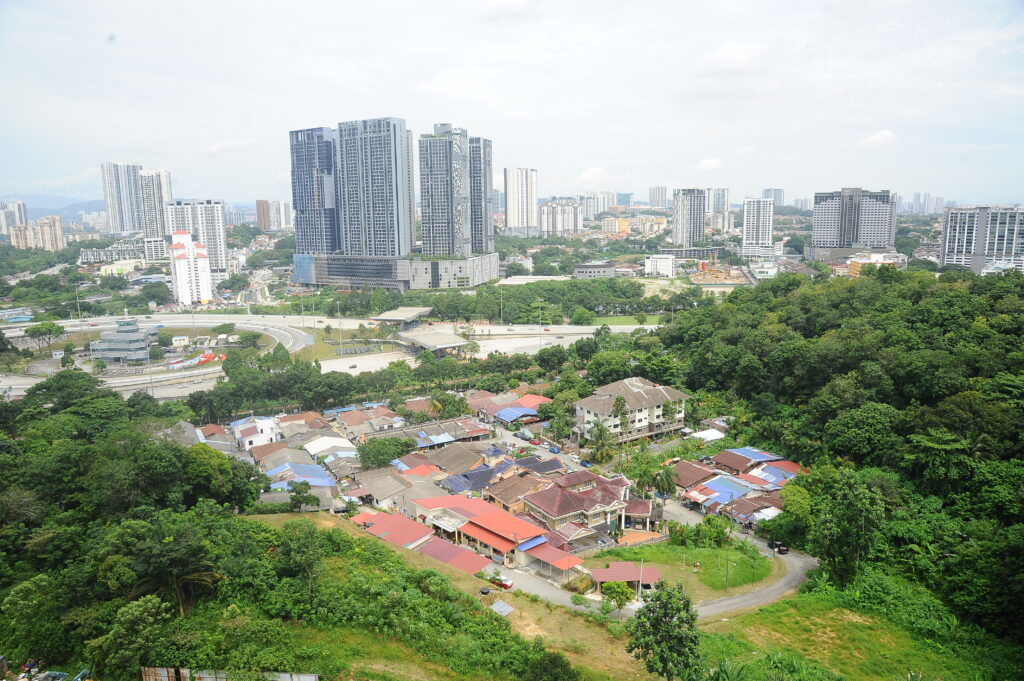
[183, 674]
[589, 551]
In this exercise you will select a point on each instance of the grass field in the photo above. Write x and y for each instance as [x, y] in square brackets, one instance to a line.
[624, 320]
[723, 571]
[323, 350]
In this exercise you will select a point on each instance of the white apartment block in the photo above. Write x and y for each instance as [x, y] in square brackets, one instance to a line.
[854, 218]
[155, 188]
[12, 213]
[593, 203]
[757, 227]
[204, 220]
[716, 200]
[688, 211]
[122, 191]
[658, 197]
[521, 217]
[659, 265]
[642, 409]
[560, 217]
[777, 195]
[191, 279]
[983, 237]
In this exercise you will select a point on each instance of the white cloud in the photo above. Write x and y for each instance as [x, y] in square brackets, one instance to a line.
[745, 150]
[709, 164]
[881, 138]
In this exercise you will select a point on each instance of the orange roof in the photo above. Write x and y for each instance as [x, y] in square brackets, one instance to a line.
[176, 246]
[393, 528]
[422, 470]
[532, 401]
[305, 417]
[182, 232]
[212, 429]
[487, 537]
[508, 526]
[552, 556]
[260, 451]
[467, 507]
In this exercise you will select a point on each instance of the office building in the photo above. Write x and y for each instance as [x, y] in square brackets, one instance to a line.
[776, 195]
[688, 213]
[373, 177]
[12, 213]
[983, 238]
[659, 265]
[593, 204]
[757, 228]
[191, 278]
[313, 190]
[46, 234]
[481, 195]
[521, 218]
[561, 217]
[444, 192]
[127, 343]
[624, 199]
[204, 220]
[938, 205]
[398, 274]
[852, 220]
[122, 190]
[155, 189]
[658, 197]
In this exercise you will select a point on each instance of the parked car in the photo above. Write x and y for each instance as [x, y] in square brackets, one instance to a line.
[782, 549]
[521, 436]
[586, 464]
[555, 450]
[351, 366]
[575, 458]
[534, 442]
[561, 336]
[501, 582]
[546, 329]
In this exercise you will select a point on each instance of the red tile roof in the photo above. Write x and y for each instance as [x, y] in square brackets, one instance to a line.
[733, 461]
[251, 430]
[260, 451]
[638, 507]
[552, 556]
[212, 429]
[393, 528]
[788, 466]
[305, 417]
[487, 537]
[625, 571]
[456, 556]
[467, 507]
[508, 526]
[531, 401]
[689, 473]
[574, 478]
[422, 470]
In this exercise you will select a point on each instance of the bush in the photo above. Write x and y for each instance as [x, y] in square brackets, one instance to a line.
[579, 585]
[580, 601]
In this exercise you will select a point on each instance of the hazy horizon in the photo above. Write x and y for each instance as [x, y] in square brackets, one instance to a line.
[911, 96]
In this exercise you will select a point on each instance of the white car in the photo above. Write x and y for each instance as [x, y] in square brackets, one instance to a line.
[575, 458]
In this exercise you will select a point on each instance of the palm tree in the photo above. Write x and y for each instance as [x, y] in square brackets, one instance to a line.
[665, 482]
[601, 443]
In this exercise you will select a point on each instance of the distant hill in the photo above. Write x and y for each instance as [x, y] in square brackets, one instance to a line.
[67, 207]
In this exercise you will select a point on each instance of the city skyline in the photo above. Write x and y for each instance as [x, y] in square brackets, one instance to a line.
[808, 103]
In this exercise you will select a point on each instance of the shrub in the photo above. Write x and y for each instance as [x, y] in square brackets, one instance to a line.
[579, 585]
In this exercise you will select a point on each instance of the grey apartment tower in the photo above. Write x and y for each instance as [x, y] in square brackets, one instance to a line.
[444, 191]
[481, 195]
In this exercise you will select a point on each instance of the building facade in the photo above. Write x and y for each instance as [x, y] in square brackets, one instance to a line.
[757, 226]
[560, 217]
[593, 203]
[155, 189]
[191, 279]
[46, 234]
[127, 343]
[204, 219]
[521, 218]
[659, 265]
[776, 195]
[12, 213]
[481, 195]
[641, 411]
[658, 197]
[688, 208]
[716, 200]
[122, 192]
[399, 274]
[983, 237]
[313, 190]
[445, 192]
[853, 218]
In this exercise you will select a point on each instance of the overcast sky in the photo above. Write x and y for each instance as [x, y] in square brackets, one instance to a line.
[596, 94]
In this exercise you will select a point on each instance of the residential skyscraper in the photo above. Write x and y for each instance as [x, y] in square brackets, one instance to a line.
[521, 201]
[45, 233]
[372, 176]
[560, 217]
[12, 213]
[593, 203]
[688, 211]
[191, 279]
[481, 190]
[155, 188]
[776, 195]
[498, 198]
[122, 191]
[983, 236]
[658, 197]
[853, 218]
[757, 228]
[444, 192]
[624, 199]
[204, 220]
[716, 200]
[264, 218]
[313, 190]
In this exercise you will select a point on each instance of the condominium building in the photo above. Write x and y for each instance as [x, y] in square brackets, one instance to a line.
[191, 279]
[444, 192]
[716, 200]
[314, 193]
[852, 218]
[757, 228]
[593, 204]
[481, 195]
[644, 409]
[521, 217]
[776, 195]
[122, 191]
[560, 217]
[624, 199]
[272, 215]
[688, 211]
[155, 190]
[12, 213]
[658, 197]
[983, 237]
[46, 234]
[373, 179]
[204, 220]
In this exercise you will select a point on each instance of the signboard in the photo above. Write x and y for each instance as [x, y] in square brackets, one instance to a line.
[308, 340]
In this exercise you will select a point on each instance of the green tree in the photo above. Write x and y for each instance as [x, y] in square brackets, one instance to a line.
[133, 637]
[583, 317]
[156, 352]
[550, 666]
[381, 451]
[847, 518]
[552, 358]
[641, 317]
[601, 443]
[299, 495]
[618, 594]
[515, 269]
[620, 410]
[227, 327]
[249, 339]
[44, 333]
[64, 389]
[664, 633]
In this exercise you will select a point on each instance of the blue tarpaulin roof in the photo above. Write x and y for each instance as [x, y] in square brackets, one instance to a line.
[509, 414]
[775, 475]
[304, 469]
[338, 410]
[755, 454]
[530, 543]
[728, 488]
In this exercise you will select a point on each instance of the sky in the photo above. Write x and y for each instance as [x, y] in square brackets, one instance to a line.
[595, 94]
